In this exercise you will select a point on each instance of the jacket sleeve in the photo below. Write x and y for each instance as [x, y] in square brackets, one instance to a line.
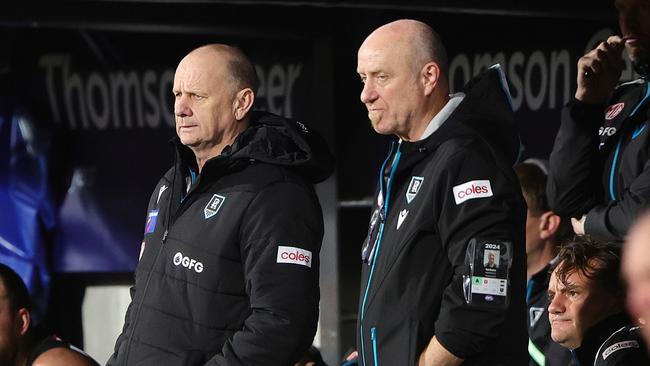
[468, 329]
[281, 236]
[574, 180]
[611, 221]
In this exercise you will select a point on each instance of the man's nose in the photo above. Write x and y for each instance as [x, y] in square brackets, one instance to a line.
[556, 305]
[182, 107]
[368, 93]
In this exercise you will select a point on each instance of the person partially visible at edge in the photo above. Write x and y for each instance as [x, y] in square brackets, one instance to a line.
[587, 306]
[447, 193]
[20, 343]
[600, 174]
[544, 231]
[228, 271]
[636, 273]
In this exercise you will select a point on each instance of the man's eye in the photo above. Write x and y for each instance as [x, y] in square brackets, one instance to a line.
[362, 79]
[197, 97]
[382, 77]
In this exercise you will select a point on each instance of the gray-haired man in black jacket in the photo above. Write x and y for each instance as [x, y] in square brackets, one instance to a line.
[444, 274]
[228, 273]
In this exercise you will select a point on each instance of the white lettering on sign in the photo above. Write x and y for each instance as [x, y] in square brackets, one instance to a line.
[129, 99]
[539, 79]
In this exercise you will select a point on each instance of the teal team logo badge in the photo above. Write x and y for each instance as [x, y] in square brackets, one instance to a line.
[213, 206]
[414, 187]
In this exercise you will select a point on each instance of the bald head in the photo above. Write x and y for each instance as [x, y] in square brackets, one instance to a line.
[238, 67]
[420, 41]
[403, 68]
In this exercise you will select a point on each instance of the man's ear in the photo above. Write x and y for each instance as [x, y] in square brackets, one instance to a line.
[23, 321]
[243, 102]
[430, 76]
[549, 223]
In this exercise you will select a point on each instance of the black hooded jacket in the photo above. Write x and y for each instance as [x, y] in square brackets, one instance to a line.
[600, 164]
[228, 274]
[454, 186]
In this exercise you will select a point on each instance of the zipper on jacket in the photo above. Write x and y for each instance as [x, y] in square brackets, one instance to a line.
[620, 141]
[373, 338]
[380, 235]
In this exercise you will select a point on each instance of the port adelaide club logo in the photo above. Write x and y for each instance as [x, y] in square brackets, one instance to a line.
[213, 206]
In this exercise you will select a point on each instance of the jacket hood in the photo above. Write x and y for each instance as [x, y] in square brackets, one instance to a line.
[486, 111]
[279, 141]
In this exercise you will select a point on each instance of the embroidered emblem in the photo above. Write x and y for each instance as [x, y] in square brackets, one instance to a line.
[414, 187]
[613, 110]
[534, 314]
[213, 206]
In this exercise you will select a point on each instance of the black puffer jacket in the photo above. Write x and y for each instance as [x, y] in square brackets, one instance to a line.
[229, 271]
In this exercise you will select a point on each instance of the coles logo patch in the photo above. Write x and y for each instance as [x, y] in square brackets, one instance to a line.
[472, 189]
[619, 346]
[294, 255]
[613, 110]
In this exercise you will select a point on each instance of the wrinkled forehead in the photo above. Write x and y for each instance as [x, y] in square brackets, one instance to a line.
[381, 55]
[201, 70]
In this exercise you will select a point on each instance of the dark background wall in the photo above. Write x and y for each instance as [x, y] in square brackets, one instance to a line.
[96, 76]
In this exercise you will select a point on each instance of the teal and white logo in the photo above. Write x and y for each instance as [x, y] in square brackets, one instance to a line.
[213, 206]
[414, 187]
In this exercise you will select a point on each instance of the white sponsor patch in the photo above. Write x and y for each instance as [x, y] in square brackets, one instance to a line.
[294, 255]
[619, 346]
[472, 189]
[401, 217]
[187, 262]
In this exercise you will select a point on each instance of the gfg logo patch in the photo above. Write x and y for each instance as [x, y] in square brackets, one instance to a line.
[187, 262]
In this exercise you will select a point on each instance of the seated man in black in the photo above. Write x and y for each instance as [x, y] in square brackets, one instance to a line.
[19, 343]
[586, 309]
